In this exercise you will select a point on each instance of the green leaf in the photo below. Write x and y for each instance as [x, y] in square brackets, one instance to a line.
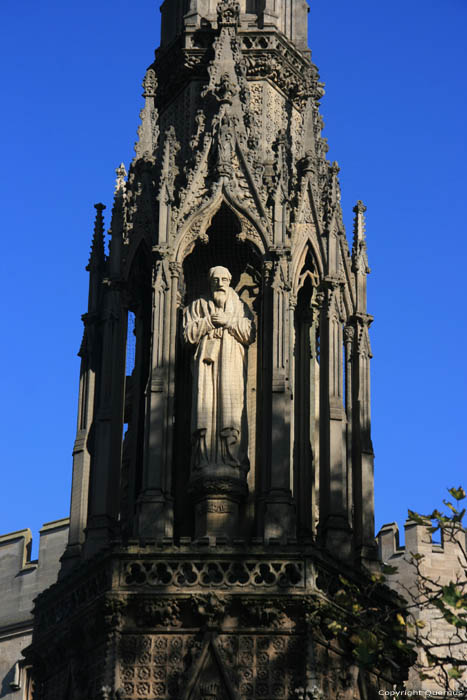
[416, 556]
[452, 508]
[416, 517]
[451, 595]
[458, 494]
[455, 673]
[424, 676]
[389, 570]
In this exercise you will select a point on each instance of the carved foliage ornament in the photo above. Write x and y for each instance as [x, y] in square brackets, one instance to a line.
[158, 613]
[150, 83]
[210, 607]
[228, 13]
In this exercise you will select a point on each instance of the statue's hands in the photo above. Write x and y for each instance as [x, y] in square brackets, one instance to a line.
[219, 319]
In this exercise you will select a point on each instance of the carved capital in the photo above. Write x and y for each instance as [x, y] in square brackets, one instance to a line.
[330, 289]
[268, 267]
[113, 612]
[228, 13]
[175, 269]
[349, 334]
[234, 488]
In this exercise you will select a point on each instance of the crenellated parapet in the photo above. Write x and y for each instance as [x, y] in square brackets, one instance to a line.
[21, 578]
[21, 581]
[424, 565]
[439, 558]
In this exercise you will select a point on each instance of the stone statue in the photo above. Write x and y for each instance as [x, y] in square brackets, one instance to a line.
[221, 327]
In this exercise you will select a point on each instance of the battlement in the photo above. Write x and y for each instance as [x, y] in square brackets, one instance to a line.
[441, 563]
[418, 540]
[22, 579]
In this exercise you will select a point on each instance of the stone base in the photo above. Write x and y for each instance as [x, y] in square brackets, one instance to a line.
[155, 516]
[336, 535]
[216, 516]
[367, 556]
[279, 519]
[217, 493]
[193, 623]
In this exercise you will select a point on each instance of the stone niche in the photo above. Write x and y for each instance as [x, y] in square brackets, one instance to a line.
[229, 508]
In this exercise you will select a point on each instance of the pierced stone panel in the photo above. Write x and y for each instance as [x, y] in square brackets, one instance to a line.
[213, 574]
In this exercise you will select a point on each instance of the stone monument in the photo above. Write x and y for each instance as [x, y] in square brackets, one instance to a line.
[217, 502]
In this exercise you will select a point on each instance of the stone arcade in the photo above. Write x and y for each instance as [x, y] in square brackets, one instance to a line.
[223, 477]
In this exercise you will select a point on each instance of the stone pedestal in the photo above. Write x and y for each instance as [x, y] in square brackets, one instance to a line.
[216, 516]
[155, 515]
[217, 500]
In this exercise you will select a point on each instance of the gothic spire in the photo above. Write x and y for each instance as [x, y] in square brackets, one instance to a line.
[97, 255]
[148, 131]
[359, 254]
[117, 225]
[360, 266]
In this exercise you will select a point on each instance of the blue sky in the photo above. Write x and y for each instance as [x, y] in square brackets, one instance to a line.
[394, 110]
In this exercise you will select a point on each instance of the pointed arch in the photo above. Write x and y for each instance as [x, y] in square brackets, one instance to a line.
[198, 224]
[307, 251]
[138, 248]
[307, 197]
[209, 671]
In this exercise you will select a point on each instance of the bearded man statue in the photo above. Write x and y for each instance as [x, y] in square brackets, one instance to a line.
[221, 327]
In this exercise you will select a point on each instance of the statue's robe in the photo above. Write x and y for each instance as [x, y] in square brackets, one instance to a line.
[218, 417]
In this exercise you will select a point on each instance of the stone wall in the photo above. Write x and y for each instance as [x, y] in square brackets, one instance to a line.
[21, 580]
[441, 563]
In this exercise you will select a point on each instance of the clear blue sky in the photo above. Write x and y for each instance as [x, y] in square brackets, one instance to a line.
[395, 111]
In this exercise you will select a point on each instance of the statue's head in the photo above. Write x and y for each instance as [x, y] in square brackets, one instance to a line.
[219, 281]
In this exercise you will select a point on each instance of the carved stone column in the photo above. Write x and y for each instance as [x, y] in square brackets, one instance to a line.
[108, 426]
[306, 417]
[334, 516]
[90, 353]
[363, 455]
[155, 501]
[349, 339]
[279, 508]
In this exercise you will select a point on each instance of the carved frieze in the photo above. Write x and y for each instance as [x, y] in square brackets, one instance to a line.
[158, 613]
[180, 574]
